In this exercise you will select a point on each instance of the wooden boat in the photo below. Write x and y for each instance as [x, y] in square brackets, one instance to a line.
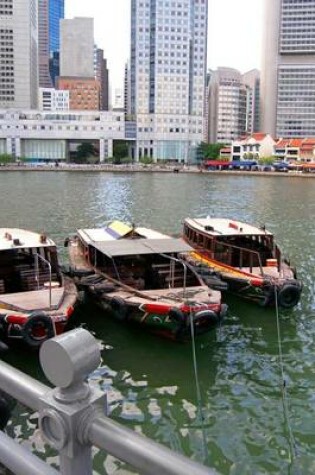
[136, 275]
[245, 257]
[36, 300]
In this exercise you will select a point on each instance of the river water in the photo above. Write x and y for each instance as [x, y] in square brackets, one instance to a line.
[239, 425]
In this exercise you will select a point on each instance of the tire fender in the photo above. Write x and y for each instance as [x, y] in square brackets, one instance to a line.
[289, 295]
[41, 320]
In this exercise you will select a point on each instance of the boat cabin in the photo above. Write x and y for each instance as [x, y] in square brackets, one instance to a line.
[138, 257]
[233, 243]
[28, 261]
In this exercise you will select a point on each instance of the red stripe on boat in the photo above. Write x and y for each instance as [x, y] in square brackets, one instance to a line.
[16, 319]
[156, 308]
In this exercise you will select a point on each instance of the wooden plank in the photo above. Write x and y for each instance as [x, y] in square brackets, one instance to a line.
[33, 300]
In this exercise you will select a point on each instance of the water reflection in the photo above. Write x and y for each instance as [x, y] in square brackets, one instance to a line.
[150, 382]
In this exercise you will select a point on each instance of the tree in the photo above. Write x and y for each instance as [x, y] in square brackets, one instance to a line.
[209, 150]
[84, 151]
[266, 160]
[146, 160]
[6, 158]
[120, 150]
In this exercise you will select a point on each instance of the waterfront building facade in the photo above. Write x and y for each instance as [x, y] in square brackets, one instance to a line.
[18, 53]
[288, 68]
[167, 77]
[253, 147]
[42, 136]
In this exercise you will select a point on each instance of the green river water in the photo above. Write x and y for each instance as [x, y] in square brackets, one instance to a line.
[150, 382]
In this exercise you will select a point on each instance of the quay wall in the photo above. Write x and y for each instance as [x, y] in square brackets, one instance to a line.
[148, 169]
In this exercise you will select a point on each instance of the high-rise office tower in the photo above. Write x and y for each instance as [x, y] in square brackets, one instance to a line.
[101, 74]
[288, 69]
[56, 13]
[227, 106]
[251, 79]
[18, 53]
[167, 75]
[50, 12]
[77, 72]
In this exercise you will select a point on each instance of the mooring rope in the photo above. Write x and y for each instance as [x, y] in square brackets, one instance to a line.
[198, 391]
[292, 442]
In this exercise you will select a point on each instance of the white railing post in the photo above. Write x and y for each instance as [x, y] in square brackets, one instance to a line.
[67, 360]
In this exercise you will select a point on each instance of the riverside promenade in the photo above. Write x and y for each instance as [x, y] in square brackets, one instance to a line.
[139, 168]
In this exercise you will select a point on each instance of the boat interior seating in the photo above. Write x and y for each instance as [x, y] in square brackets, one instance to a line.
[2, 287]
[242, 252]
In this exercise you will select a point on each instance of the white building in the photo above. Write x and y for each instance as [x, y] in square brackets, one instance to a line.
[18, 53]
[77, 47]
[167, 71]
[253, 147]
[288, 68]
[51, 99]
[43, 136]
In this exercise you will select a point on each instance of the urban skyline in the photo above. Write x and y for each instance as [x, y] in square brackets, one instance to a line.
[229, 43]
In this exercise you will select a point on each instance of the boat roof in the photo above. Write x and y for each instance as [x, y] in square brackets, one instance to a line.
[225, 227]
[116, 231]
[110, 240]
[14, 238]
[130, 247]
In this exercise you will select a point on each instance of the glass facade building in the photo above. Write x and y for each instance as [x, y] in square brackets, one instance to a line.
[288, 92]
[167, 76]
[56, 13]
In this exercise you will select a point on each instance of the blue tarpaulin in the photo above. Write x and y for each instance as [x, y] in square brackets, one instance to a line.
[243, 163]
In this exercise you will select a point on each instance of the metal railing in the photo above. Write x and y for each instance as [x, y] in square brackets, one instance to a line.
[72, 417]
[38, 256]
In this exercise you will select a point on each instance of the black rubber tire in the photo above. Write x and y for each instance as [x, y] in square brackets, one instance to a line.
[37, 319]
[104, 288]
[289, 296]
[119, 308]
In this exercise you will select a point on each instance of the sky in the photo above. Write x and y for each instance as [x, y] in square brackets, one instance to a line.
[234, 32]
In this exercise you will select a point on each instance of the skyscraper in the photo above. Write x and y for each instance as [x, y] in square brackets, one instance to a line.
[56, 13]
[18, 53]
[288, 70]
[227, 106]
[101, 74]
[77, 72]
[50, 12]
[167, 75]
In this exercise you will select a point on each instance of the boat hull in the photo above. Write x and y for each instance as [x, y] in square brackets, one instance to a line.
[262, 290]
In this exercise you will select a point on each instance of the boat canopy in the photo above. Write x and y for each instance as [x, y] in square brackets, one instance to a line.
[129, 247]
[13, 238]
[225, 227]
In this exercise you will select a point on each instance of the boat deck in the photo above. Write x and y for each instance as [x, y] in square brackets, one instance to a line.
[33, 300]
[172, 296]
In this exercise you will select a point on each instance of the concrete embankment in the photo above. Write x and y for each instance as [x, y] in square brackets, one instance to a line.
[148, 169]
